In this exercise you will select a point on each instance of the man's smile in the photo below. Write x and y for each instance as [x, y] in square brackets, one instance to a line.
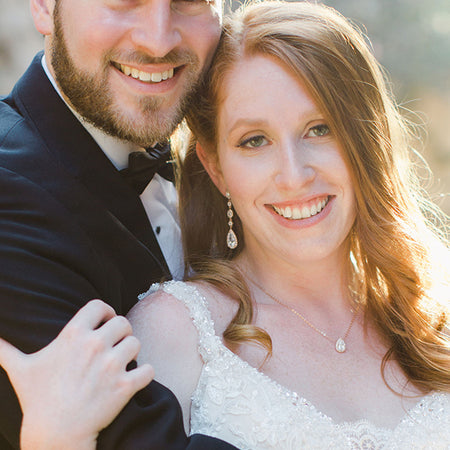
[147, 77]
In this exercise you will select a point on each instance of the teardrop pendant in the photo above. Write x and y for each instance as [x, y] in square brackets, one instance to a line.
[340, 345]
[232, 241]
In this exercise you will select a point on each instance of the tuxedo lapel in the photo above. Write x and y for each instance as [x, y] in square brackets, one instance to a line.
[72, 146]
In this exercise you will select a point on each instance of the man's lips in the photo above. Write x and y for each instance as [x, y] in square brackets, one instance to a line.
[303, 211]
[146, 77]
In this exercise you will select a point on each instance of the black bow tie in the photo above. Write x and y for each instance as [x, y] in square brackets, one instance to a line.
[142, 166]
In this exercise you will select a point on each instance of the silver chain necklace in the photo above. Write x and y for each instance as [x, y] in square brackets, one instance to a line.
[339, 345]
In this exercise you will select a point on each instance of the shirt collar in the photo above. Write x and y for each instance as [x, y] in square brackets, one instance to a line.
[115, 149]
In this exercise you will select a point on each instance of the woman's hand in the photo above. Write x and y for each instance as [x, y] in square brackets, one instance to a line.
[76, 386]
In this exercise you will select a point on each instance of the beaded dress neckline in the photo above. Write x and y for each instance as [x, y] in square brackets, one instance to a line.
[236, 402]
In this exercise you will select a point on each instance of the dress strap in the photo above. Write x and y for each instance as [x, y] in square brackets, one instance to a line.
[209, 343]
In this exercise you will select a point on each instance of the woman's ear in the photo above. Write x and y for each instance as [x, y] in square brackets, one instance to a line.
[211, 165]
[42, 12]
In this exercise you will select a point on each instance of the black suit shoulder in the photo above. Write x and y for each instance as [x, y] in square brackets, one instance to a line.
[9, 119]
[45, 249]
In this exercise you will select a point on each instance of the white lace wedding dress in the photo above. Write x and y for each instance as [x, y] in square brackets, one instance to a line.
[235, 402]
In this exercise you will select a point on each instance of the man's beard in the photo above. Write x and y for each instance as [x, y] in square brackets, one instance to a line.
[91, 96]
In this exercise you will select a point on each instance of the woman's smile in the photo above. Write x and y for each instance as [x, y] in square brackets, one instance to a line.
[299, 211]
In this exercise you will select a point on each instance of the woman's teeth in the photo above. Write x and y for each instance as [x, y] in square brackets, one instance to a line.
[145, 76]
[301, 213]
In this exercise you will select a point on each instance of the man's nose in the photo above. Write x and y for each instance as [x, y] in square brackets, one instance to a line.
[156, 31]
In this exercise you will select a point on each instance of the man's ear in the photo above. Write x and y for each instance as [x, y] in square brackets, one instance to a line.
[211, 165]
[42, 12]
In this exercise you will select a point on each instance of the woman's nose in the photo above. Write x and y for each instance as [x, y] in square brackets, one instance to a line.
[294, 168]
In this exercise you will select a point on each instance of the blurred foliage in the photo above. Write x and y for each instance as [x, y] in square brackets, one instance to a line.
[411, 39]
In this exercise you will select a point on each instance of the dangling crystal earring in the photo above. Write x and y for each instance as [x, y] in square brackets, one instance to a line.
[232, 241]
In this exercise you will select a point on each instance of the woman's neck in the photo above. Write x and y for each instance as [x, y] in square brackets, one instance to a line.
[322, 282]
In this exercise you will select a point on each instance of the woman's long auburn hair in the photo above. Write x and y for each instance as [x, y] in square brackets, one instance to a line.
[393, 244]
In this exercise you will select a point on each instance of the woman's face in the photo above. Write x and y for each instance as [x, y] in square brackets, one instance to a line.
[283, 168]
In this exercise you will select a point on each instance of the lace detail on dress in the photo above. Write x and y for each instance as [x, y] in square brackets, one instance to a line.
[235, 402]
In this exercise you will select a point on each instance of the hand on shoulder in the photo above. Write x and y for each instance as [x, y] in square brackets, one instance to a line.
[74, 387]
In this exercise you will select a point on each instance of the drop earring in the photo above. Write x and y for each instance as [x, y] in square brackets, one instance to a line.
[232, 241]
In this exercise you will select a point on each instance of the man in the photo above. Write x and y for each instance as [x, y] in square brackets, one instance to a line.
[115, 78]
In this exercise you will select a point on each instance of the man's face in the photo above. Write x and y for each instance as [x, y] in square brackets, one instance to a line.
[129, 66]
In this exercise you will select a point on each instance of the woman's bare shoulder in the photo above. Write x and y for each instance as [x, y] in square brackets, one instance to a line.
[160, 314]
[169, 342]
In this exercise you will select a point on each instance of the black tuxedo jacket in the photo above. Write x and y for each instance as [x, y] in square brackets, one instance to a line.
[72, 230]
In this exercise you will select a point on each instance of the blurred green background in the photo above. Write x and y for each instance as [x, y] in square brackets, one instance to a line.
[411, 38]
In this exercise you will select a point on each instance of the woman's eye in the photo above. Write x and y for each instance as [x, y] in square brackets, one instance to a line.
[191, 7]
[254, 142]
[318, 131]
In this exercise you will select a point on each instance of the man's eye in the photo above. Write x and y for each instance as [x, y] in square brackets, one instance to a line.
[318, 131]
[254, 142]
[191, 7]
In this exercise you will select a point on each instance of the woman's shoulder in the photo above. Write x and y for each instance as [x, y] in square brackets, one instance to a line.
[169, 339]
[165, 329]
[178, 303]
[170, 297]
[160, 307]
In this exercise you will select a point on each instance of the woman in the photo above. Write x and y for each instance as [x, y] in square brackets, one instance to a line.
[314, 318]
[316, 313]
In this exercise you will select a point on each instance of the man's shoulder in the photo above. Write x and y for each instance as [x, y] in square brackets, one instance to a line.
[10, 112]
[22, 149]
[14, 126]
[10, 118]
[20, 113]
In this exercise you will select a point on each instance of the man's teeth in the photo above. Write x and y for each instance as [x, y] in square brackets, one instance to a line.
[146, 76]
[301, 213]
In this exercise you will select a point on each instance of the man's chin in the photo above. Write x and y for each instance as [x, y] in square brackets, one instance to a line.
[143, 131]
[142, 121]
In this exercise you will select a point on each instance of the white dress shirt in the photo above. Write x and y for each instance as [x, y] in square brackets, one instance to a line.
[159, 197]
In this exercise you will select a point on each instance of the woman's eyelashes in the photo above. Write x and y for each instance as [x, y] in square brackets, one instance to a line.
[318, 130]
[259, 140]
[254, 142]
